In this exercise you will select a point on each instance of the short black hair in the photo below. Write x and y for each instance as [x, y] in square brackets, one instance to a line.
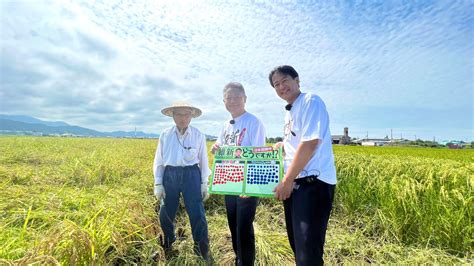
[283, 69]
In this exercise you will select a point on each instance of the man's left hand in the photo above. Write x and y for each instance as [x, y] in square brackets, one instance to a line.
[283, 190]
[204, 192]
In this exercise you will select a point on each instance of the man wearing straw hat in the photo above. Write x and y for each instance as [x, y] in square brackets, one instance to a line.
[181, 167]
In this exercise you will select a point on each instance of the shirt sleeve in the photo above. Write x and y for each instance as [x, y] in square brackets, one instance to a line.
[203, 161]
[259, 135]
[158, 167]
[314, 119]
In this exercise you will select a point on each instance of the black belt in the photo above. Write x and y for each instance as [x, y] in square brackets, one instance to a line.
[311, 179]
[176, 167]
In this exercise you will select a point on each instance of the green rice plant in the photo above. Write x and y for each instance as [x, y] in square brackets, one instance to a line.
[409, 200]
[90, 201]
[462, 155]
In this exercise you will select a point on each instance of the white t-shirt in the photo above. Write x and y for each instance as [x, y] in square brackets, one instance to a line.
[173, 150]
[247, 130]
[307, 120]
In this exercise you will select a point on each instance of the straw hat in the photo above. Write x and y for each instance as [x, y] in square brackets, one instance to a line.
[168, 111]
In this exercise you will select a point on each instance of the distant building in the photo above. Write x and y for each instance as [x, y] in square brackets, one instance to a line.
[342, 139]
[381, 142]
[453, 144]
[375, 142]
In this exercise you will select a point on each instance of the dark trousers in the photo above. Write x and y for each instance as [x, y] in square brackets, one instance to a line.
[306, 215]
[186, 181]
[240, 216]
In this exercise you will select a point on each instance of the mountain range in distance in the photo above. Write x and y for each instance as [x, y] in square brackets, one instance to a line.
[27, 125]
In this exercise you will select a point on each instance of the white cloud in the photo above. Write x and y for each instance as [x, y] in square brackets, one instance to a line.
[114, 66]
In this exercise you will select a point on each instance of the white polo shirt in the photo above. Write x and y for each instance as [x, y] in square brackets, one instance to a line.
[172, 150]
[307, 120]
[247, 130]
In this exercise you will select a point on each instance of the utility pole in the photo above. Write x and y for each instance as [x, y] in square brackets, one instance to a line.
[391, 135]
[367, 136]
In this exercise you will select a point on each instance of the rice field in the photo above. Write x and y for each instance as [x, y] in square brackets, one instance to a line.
[90, 201]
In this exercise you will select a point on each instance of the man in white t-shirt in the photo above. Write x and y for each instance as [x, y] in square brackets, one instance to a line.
[307, 189]
[242, 129]
[181, 168]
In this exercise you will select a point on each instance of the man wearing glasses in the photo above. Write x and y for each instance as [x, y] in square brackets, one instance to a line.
[307, 189]
[242, 129]
[181, 166]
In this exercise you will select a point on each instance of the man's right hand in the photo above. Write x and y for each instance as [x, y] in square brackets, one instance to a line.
[277, 145]
[283, 190]
[214, 148]
[159, 192]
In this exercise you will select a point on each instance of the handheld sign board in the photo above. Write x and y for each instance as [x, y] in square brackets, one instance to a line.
[248, 171]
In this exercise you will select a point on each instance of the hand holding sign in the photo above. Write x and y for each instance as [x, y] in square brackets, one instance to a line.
[246, 171]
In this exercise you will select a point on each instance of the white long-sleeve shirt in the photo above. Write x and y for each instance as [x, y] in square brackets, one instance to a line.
[172, 150]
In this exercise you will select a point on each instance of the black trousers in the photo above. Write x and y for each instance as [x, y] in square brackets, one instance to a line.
[240, 216]
[306, 215]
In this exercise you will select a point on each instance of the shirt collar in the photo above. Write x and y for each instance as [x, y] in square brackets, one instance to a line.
[188, 130]
[298, 99]
[237, 119]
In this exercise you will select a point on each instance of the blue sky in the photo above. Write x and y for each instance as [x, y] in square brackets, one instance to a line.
[378, 65]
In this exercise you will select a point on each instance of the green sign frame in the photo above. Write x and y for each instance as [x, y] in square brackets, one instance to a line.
[246, 171]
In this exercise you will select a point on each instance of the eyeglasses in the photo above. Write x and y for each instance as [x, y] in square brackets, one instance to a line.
[233, 98]
[182, 114]
[278, 83]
